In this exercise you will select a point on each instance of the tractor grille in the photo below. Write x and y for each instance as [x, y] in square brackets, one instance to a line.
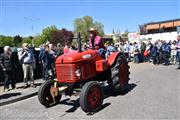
[66, 72]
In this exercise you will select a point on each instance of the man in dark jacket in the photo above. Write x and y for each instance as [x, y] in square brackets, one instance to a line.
[143, 48]
[16, 67]
[6, 65]
[42, 49]
[154, 53]
[47, 61]
[165, 52]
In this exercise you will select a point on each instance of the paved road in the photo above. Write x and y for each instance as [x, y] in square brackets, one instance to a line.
[154, 94]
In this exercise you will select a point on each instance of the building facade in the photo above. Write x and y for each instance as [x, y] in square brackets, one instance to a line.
[164, 30]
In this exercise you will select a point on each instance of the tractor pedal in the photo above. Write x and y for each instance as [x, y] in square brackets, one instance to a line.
[77, 89]
[101, 83]
[76, 94]
[62, 88]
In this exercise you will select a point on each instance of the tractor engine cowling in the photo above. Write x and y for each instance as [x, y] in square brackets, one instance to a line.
[74, 67]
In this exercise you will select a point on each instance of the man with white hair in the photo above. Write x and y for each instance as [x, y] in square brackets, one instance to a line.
[27, 58]
[6, 65]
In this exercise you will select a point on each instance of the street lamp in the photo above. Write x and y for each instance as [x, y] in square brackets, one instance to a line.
[32, 29]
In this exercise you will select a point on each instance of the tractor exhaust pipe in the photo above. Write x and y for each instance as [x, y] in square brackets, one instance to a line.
[79, 42]
[92, 42]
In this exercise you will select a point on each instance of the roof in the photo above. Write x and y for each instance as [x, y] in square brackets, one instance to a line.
[173, 20]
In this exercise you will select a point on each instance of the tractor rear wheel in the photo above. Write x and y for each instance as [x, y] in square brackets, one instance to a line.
[120, 74]
[44, 94]
[91, 97]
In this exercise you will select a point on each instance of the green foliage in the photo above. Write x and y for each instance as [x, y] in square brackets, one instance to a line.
[99, 27]
[51, 33]
[47, 32]
[83, 25]
[27, 40]
[39, 40]
[6, 40]
[44, 37]
[17, 40]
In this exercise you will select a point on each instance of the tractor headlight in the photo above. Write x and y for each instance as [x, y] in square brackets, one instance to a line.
[78, 72]
[87, 56]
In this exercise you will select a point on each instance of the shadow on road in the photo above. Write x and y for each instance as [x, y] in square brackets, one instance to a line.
[75, 105]
[102, 107]
[8, 95]
[131, 87]
[107, 93]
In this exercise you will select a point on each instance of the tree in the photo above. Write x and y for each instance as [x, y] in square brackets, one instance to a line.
[27, 40]
[61, 36]
[45, 36]
[83, 25]
[39, 40]
[6, 40]
[17, 40]
[47, 32]
[99, 27]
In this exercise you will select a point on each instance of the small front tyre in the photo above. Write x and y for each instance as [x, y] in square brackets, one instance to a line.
[44, 94]
[91, 97]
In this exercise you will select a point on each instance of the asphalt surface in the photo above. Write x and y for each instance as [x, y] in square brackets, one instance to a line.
[19, 93]
[154, 93]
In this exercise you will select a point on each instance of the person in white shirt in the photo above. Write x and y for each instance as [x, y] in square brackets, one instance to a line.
[27, 59]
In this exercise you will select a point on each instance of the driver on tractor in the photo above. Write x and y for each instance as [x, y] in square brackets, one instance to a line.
[96, 42]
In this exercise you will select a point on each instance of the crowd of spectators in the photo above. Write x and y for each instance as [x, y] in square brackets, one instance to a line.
[159, 52]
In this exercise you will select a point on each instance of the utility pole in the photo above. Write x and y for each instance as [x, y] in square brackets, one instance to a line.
[32, 28]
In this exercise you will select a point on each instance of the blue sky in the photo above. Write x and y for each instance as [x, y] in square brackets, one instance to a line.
[114, 14]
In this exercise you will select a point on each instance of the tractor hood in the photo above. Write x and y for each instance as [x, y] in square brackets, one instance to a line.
[76, 56]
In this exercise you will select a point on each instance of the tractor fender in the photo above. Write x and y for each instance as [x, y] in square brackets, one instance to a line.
[112, 58]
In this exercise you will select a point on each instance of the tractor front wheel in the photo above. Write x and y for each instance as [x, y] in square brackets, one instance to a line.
[91, 97]
[44, 94]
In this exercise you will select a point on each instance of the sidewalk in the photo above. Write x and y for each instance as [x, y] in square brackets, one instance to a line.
[19, 93]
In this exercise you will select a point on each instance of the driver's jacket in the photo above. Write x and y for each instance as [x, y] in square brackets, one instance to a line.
[98, 43]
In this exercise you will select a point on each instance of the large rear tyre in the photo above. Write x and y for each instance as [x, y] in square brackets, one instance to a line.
[120, 74]
[44, 94]
[91, 97]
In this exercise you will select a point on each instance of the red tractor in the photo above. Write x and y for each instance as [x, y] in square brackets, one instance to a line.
[83, 71]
